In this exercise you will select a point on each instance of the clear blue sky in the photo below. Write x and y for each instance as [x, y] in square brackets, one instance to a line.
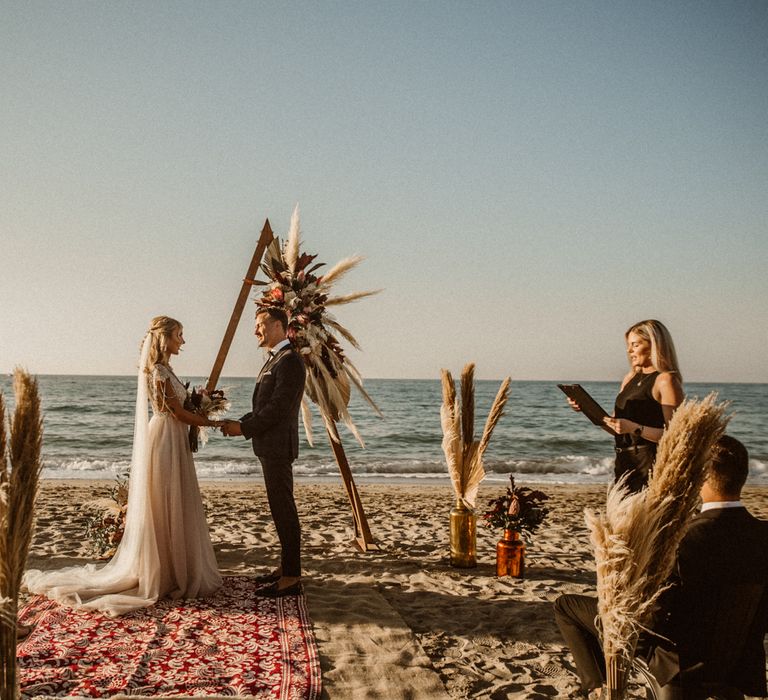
[526, 179]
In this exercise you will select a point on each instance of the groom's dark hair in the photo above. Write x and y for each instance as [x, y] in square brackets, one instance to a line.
[275, 313]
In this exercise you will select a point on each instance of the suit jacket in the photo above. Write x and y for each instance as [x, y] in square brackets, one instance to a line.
[720, 582]
[272, 426]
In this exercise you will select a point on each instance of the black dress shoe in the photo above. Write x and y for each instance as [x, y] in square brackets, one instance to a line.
[272, 591]
[266, 578]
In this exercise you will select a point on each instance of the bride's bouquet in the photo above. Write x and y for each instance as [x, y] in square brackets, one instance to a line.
[211, 404]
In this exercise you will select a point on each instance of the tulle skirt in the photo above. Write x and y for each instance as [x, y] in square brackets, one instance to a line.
[166, 549]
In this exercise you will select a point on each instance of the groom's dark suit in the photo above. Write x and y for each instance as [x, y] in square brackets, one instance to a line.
[272, 426]
[722, 568]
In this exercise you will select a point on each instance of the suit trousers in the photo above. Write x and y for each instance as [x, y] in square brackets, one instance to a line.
[575, 616]
[278, 479]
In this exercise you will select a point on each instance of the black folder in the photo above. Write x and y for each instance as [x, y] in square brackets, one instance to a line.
[589, 407]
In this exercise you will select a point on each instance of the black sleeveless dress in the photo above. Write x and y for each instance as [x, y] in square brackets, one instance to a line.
[634, 454]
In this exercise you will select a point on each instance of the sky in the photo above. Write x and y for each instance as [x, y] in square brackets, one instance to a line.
[524, 179]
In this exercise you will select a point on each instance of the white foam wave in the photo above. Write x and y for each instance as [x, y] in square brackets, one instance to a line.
[566, 469]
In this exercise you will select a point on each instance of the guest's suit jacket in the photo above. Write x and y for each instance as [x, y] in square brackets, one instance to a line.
[273, 423]
[724, 551]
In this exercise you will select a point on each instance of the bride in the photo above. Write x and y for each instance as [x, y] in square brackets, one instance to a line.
[166, 549]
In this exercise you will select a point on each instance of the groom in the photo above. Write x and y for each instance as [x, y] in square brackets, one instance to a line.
[273, 429]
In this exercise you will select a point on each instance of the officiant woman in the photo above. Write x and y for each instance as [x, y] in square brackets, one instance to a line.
[649, 395]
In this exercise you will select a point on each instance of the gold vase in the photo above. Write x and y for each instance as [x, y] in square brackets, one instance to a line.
[463, 536]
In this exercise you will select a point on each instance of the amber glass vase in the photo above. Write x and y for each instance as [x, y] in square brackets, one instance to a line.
[510, 555]
[463, 536]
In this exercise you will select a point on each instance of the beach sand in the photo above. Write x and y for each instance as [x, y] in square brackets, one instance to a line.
[401, 622]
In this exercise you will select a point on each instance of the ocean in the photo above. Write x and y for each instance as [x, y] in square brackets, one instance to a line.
[89, 431]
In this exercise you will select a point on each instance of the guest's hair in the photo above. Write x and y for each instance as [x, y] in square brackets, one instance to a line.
[728, 469]
[159, 329]
[275, 313]
[663, 355]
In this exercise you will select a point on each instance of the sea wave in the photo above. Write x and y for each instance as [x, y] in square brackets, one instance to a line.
[567, 469]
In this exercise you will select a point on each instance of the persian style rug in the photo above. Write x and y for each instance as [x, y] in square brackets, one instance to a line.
[234, 643]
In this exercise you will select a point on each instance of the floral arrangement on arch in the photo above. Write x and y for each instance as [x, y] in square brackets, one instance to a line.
[520, 509]
[306, 296]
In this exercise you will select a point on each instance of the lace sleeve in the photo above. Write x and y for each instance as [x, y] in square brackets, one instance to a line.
[157, 385]
[160, 374]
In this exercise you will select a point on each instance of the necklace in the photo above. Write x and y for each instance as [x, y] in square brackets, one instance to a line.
[642, 377]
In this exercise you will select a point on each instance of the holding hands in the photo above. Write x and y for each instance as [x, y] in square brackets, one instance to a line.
[231, 428]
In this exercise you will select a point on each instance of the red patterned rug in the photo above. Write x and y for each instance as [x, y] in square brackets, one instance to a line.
[234, 643]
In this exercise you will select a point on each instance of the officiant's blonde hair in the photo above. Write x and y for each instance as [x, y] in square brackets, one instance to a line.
[663, 355]
[160, 328]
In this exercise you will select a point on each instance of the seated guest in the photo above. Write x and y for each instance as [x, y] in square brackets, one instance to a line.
[716, 606]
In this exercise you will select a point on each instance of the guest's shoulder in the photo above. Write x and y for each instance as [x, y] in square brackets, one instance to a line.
[734, 518]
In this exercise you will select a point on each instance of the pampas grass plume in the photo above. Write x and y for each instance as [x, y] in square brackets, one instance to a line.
[635, 539]
[18, 490]
[464, 454]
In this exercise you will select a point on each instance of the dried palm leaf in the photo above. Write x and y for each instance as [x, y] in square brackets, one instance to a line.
[306, 419]
[473, 473]
[451, 445]
[354, 376]
[343, 332]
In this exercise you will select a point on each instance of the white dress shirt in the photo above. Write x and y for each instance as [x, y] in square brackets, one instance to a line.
[711, 505]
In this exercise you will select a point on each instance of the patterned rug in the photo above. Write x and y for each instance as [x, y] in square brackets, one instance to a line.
[234, 643]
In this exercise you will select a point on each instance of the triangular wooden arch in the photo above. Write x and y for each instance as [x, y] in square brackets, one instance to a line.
[363, 536]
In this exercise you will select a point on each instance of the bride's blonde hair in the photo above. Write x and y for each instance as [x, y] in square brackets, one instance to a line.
[159, 329]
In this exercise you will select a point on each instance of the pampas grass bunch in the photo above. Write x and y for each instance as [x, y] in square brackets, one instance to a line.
[464, 454]
[20, 467]
[636, 538]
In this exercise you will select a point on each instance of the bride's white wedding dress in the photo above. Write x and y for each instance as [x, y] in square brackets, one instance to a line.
[166, 549]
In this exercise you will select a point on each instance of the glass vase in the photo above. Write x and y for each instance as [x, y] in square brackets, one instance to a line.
[463, 536]
[510, 555]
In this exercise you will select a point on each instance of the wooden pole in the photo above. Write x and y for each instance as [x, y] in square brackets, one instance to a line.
[363, 535]
[264, 240]
[226, 342]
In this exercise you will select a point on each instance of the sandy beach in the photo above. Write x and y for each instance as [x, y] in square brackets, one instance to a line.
[401, 622]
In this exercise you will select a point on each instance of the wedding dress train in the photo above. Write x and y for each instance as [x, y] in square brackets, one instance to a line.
[166, 548]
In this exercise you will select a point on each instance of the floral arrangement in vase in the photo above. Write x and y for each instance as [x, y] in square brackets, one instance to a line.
[520, 509]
